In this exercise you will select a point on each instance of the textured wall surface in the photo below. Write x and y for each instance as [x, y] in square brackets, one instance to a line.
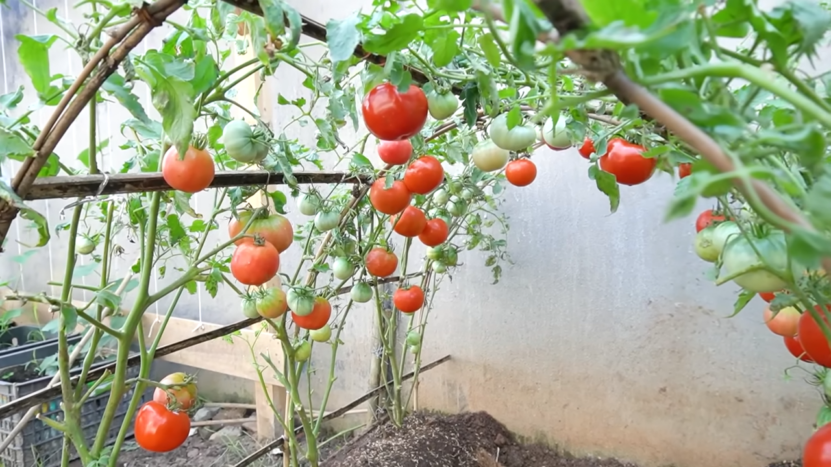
[602, 337]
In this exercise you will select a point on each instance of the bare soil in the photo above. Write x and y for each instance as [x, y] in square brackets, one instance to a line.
[463, 440]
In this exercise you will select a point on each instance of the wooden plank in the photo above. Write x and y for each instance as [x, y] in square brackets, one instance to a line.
[232, 359]
[268, 427]
[94, 185]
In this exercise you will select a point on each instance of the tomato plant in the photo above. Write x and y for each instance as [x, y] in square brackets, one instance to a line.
[423, 175]
[395, 152]
[410, 223]
[380, 262]
[158, 429]
[319, 317]
[184, 394]
[274, 228]
[435, 232]
[626, 162]
[255, 263]
[521, 172]
[391, 115]
[192, 172]
[390, 200]
[408, 299]
[272, 303]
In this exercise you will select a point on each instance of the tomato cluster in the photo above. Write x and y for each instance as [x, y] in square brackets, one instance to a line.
[163, 424]
[256, 259]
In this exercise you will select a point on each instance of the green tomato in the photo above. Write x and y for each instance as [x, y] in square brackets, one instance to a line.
[455, 187]
[704, 246]
[242, 143]
[413, 338]
[439, 267]
[468, 194]
[442, 106]
[456, 207]
[303, 351]
[739, 255]
[440, 197]
[361, 292]
[488, 157]
[515, 139]
[343, 269]
[451, 256]
[84, 246]
[722, 233]
[321, 335]
[249, 308]
[300, 302]
[326, 220]
[556, 137]
[414, 349]
[434, 253]
[309, 204]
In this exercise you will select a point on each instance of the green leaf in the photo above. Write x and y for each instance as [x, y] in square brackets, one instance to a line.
[172, 97]
[524, 30]
[70, 317]
[818, 200]
[191, 287]
[359, 160]
[453, 6]
[114, 85]
[108, 299]
[342, 37]
[84, 155]
[607, 184]
[11, 100]
[470, 101]
[13, 145]
[181, 201]
[445, 48]
[514, 117]
[279, 200]
[39, 221]
[372, 76]
[396, 38]
[741, 301]
[806, 247]
[83, 270]
[205, 75]
[630, 12]
[33, 54]
[823, 416]
[274, 17]
[490, 49]
[295, 26]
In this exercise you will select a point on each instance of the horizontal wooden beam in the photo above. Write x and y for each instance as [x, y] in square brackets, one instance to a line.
[96, 185]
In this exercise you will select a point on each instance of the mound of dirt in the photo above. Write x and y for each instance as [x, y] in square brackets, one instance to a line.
[463, 440]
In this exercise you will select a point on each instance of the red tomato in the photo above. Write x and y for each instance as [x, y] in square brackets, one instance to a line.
[625, 161]
[684, 169]
[785, 322]
[318, 318]
[185, 396]
[389, 201]
[393, 116]
[380, 262]
[767, 296]
[255, 263]
[434, 233]
[193, 173]
[587, 148]
[521, 172]
[795, 348]
[158, 429]
[395, 152]
[410, 223]
[424, 175]
[274, 228]
[408, 300]
[705, 219]
[812, 338]
[817, 451]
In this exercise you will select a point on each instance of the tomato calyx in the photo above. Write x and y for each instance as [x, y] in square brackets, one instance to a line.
[173, 403]
[198, 141]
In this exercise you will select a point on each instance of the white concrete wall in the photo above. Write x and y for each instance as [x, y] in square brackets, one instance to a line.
[603, 337]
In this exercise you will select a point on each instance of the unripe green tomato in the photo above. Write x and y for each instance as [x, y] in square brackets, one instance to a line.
[413, 338]
[434, 253]
[343, 269]
[451, 256]
[249, 308]
[303, 351]
[439, 267]
[361, 292]
[454, 187]
[84, 246]
[467, 194]
[321, 335]
[456, 207]
[441, 197]
[414, 349]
